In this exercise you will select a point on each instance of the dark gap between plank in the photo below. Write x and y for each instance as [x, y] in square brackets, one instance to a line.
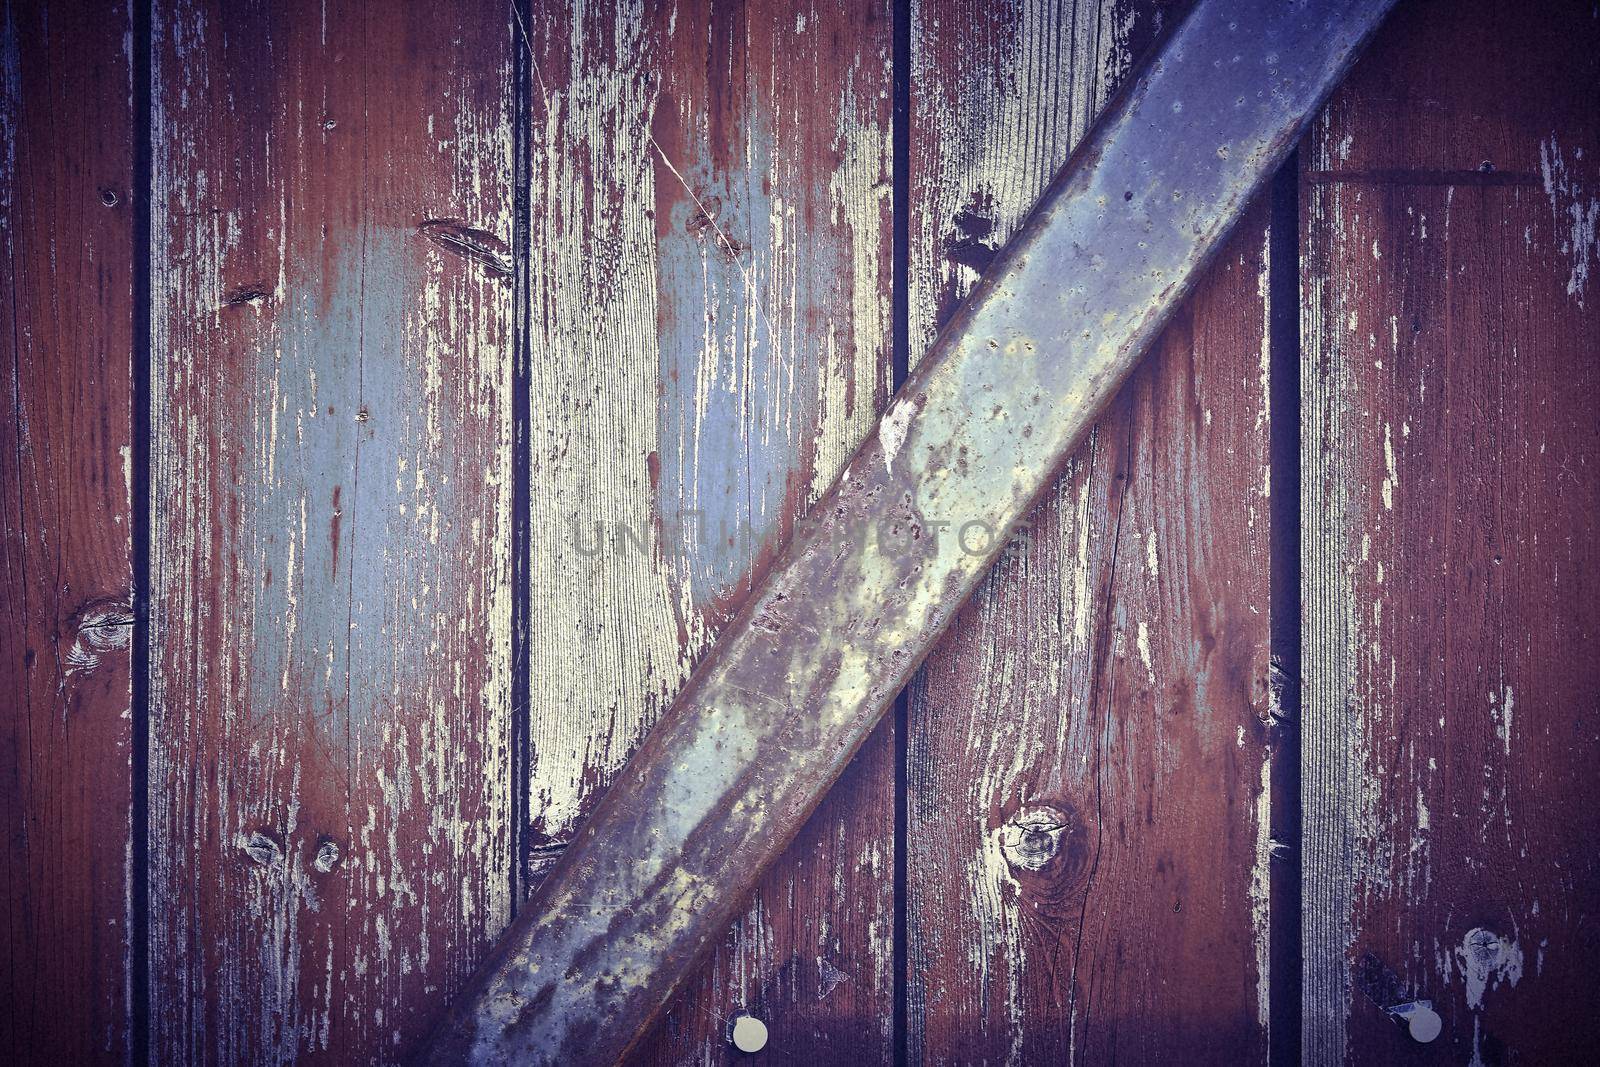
[1283, 349]
[140, 422]
[901, 369]
[521, 460]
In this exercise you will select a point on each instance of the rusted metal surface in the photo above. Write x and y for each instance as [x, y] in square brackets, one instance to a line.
[802, 674]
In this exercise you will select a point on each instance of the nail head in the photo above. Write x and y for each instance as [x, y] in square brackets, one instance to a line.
[1425, 1025]
[749, 1034]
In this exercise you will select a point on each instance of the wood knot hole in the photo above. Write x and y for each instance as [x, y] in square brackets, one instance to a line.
[1033, 838]
[328, 855]
[253, 294]
[485, 249]
[102, 626]
[1483, 950]
[263, 848]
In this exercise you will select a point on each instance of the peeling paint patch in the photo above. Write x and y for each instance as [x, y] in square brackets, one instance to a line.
[1576, 215]
[892, 431]
[1391, 478]
[1501, 706]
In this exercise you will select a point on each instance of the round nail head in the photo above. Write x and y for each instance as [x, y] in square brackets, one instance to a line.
[1425, 1025]
[749, 1034]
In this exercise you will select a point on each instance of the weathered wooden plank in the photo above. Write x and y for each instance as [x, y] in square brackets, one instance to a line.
[332, 318]
[1450, 327]
[1088, 748]
[66, 245]
[710, 256]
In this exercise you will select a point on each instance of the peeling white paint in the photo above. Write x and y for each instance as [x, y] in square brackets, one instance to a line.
[1261, 892]
[1501, 706]
[892, 431]
[1391, 478]
[1576, 215]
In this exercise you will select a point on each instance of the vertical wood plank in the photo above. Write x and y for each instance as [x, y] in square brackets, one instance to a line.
[711, 299]
[330, 783]
[1089, 747]
[1450, 323]
[66, 245]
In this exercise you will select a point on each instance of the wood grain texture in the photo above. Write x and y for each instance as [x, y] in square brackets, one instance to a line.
[330, 786]
[1088, 747]
[1450, 324]
[66, 232]
[710, 289]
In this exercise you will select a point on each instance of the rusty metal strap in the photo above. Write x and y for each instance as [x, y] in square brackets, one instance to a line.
[799, 679]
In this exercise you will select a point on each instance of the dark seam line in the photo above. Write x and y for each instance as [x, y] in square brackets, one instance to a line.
[901, 364]
[140, 420]
[1421, 177]
[521, 465]
[1285, 949]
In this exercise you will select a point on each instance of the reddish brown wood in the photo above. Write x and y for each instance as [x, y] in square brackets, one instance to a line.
[711, 318]
[1451, 321]
[709, 291]
[332, 468]
[1088, 748]
[66, 257]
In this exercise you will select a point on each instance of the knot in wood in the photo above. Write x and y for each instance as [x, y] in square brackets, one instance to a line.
[1483, 948]
[102, 626]
[328, 855]
[262, 848]
[1032, 838]
[106, 627]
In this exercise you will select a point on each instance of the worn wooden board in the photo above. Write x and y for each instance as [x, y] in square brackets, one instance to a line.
[710, 338]
[330, 786]
[66, 255]
[1088, 748]
[1452, 620]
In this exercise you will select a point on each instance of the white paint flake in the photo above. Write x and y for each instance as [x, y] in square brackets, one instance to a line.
[1391, 479]
[1576, 216]
[892, 431]
[1501, 706]
[1261, 890]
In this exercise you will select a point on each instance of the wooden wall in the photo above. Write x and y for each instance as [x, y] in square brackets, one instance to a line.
[330, 554]
[711, 295]
[428, 384]
[1088, 748]
[1450, 379]
[67, 219]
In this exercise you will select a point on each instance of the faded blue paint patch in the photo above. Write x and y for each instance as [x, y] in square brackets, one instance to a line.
[340, 336]
[733, 414]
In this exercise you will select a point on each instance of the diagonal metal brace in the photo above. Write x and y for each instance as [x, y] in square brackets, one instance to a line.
[798, 680]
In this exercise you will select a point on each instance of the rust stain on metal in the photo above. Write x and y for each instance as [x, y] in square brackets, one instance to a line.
[804, 672]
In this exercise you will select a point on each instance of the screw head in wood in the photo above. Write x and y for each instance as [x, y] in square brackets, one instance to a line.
[749, 1033]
